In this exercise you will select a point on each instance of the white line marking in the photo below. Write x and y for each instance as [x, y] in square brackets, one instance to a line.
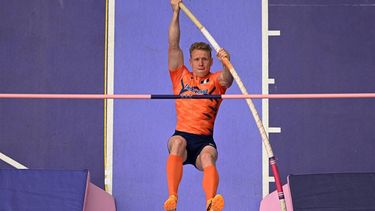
[271, 179]
[274, 130]
[274, 33]
[265, 105]
[110, 90]
[11, 162]
[271, 81]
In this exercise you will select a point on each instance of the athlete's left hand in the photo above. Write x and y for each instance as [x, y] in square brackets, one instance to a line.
[222, 53]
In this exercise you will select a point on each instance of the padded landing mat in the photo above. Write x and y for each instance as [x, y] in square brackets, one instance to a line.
[42, 190]
[333, 192]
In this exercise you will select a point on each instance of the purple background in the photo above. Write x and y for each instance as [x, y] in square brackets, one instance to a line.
[142, 128]
[324, 47]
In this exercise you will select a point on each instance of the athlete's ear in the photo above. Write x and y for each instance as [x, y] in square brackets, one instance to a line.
[211, 61]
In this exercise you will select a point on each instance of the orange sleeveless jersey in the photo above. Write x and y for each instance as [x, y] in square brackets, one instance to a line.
[196, 116]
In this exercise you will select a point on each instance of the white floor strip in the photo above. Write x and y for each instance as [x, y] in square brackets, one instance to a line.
[11, 162]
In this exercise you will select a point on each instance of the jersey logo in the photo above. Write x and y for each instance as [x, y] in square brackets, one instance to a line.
[193, 89]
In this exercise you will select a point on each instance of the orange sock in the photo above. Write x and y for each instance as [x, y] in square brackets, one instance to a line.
[210, 181]
[174, 173]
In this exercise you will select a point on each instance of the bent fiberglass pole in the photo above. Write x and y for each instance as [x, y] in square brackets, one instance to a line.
[258, 121]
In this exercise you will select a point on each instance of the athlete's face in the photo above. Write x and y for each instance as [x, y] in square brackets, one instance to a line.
[200, 62]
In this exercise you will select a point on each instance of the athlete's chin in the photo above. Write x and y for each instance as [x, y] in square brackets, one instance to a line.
[201, 73]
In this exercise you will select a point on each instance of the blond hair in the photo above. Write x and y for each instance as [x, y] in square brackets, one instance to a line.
[200, 46]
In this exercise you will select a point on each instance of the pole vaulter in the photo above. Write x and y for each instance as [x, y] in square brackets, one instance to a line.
[226, 62]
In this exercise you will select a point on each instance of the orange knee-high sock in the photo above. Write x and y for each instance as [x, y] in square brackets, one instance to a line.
[174, 173]
[210, 181]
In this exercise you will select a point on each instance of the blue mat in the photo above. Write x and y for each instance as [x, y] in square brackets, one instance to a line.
[333, 192]
[42, 190]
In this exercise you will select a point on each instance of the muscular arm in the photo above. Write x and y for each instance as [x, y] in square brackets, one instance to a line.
[226, 78]
[175, 55]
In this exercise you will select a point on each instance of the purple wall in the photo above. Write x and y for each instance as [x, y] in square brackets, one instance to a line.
[52, 47]
[142, 128]
[324, 47]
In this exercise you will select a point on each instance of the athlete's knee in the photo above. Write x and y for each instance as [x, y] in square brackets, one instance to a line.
[207, 157]
[177, 143]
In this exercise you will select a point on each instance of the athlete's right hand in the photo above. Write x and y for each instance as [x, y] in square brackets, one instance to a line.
[174, 4]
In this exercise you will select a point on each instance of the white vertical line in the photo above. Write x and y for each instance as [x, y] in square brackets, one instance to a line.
[265, 106]
[11, 162]
[110, 91]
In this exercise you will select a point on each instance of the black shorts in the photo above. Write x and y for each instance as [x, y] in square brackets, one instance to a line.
[195, 144]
